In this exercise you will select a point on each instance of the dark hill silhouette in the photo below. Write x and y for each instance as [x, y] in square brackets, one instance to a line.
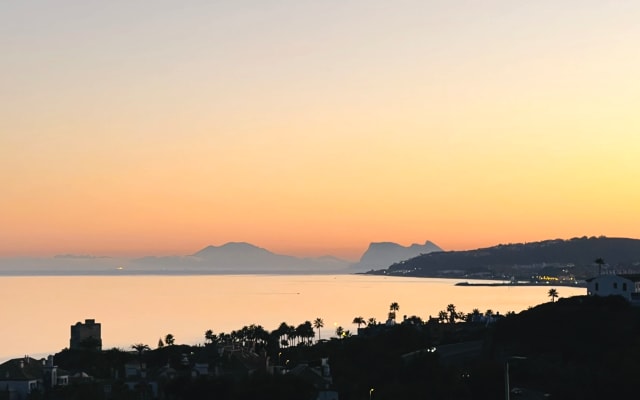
[618, 253]
[583, 347]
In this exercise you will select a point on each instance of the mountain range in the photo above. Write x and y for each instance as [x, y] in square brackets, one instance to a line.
[556, 257]
[240, 257]
[229, 258]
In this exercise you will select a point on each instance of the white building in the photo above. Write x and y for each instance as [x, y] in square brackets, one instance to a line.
[627, 286]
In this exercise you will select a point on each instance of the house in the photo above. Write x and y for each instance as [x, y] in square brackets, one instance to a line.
[627, 286]
[20, 377]
[319, 376]
[136, 379]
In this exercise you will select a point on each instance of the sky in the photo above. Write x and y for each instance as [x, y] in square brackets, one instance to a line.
[134, 128]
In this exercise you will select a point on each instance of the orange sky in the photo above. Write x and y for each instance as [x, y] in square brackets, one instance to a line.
[314, 129]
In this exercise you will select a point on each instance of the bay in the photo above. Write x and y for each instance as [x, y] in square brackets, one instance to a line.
[37, 311]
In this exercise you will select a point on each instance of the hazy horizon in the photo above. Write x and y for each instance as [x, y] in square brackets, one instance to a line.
[313, 128]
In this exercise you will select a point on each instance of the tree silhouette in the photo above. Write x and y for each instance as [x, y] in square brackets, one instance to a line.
[392, 310]
[140, 348]
[291, 334]
[443, 316]
[160, 343]
[208, 335]
[318, 323]
[553, 293]
[453, 315]
[169, 339]
[371, 321]
[339, 332]
[281, 332]
[359, 321]
[305, 331]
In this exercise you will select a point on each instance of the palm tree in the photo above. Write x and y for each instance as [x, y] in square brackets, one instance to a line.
[282, 331]
[553, 293]
[392, 310]
[291, 334]
[305, 331]
[600, 263]
[318, 323]
[451, 309]
[140, 348]
[169, 339]
[208, 335]
[359, 321]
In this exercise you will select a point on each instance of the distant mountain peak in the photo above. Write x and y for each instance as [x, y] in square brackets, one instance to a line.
[384, 254]
[230, 247]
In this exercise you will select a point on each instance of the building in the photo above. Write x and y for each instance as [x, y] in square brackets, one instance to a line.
[319, 376]
[21, 377]
[86, 336]
[627, 286]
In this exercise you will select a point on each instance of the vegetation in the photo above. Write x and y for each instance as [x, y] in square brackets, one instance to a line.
[564, 348]
[358, 321]
[169, 339]
[553, 293]
[318, 323]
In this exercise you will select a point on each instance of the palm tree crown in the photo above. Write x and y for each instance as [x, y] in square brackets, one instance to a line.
[318, 323]
[553, 293]
[359, 321]
[392, 310]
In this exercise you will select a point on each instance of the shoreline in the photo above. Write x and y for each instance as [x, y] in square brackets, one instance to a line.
[499, 284]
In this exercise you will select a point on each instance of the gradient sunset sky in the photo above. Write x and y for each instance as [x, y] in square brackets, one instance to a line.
[315, 127]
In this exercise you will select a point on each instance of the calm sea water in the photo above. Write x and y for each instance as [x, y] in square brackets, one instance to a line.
[37, 312]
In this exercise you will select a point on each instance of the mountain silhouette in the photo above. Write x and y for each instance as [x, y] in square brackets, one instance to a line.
[241, 257]
[383, 254]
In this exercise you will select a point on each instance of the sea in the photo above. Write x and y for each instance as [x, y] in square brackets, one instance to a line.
[38, 311]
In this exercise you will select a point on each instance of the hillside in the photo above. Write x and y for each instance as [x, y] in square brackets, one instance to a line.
[574, 256]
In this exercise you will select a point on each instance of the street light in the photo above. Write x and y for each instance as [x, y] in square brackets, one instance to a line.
[370, 393]
[507, 393]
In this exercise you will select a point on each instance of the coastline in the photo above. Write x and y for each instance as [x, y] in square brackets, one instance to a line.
[499, 284]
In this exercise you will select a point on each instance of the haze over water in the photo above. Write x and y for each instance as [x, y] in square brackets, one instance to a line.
[38, 311]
